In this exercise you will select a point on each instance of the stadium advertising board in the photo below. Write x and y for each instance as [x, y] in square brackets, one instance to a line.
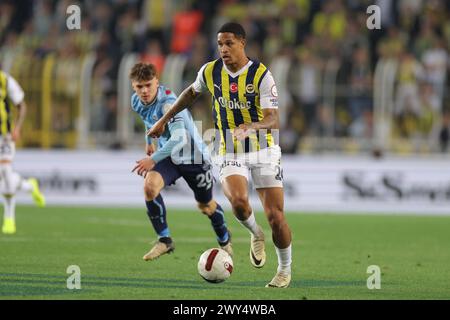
[312, 184]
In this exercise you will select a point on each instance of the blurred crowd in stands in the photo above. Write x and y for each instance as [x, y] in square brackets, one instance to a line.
[315, 37]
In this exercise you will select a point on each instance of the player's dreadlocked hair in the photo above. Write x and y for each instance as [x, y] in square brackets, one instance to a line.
[234, 28]
[142, 72]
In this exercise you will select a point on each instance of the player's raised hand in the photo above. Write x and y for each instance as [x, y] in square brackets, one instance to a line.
[242, 132]
[143, 166]
[157, 129]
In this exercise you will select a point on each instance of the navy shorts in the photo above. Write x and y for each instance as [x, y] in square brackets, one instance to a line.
[199, 177]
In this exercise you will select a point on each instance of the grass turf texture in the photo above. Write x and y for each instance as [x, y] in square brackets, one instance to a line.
[331, 254]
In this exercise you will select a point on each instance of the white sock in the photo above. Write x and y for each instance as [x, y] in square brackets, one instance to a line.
[284, 259]
[251, 224]
[10, 207]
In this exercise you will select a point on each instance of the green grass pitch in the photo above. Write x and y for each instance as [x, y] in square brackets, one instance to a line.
[331, 254]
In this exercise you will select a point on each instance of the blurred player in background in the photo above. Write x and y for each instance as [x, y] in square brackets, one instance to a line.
[245, 109]
[12, 95]
[181, 153]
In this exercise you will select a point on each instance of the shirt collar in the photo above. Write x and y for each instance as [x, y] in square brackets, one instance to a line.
[240, 71]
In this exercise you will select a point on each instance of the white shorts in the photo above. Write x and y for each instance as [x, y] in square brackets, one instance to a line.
[7, 148]
[264, 166]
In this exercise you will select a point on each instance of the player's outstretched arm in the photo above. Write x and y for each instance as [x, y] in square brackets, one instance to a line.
[185, 99]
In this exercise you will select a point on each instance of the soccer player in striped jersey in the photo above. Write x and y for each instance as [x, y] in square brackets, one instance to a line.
[181, 153]
[245, 110]
[12, 95]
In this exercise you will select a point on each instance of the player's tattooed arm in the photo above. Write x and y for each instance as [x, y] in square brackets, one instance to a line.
[185, 99]
[270, 121]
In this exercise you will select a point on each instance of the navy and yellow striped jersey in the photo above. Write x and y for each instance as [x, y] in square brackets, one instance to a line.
[5, 106]
[237, 99]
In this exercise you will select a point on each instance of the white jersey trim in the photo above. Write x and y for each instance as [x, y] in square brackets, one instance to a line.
[199, 84]
[268, 94]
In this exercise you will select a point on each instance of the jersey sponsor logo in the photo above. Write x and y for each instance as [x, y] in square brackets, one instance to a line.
[168, 92]
[233, 87]
[234, 104]
[230, 163]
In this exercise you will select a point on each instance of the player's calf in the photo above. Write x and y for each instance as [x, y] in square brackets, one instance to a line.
[156, 211]
[281, 233]
[216, 214]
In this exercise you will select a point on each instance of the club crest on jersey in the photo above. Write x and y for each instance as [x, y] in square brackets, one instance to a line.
[250, 88]
[250, 91]
[233, 87]
[155, 117]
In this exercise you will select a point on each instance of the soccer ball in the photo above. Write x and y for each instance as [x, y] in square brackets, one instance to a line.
[215, 265]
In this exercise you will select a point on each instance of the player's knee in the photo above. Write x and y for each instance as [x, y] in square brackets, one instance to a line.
[153, 185]
[240, 206]
[207, 208]
[151, 191]
[276, 218]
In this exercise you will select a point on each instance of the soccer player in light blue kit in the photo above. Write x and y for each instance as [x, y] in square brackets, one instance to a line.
[181, 153]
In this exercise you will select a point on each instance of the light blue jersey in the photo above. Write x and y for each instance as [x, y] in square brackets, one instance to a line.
[181, 140]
